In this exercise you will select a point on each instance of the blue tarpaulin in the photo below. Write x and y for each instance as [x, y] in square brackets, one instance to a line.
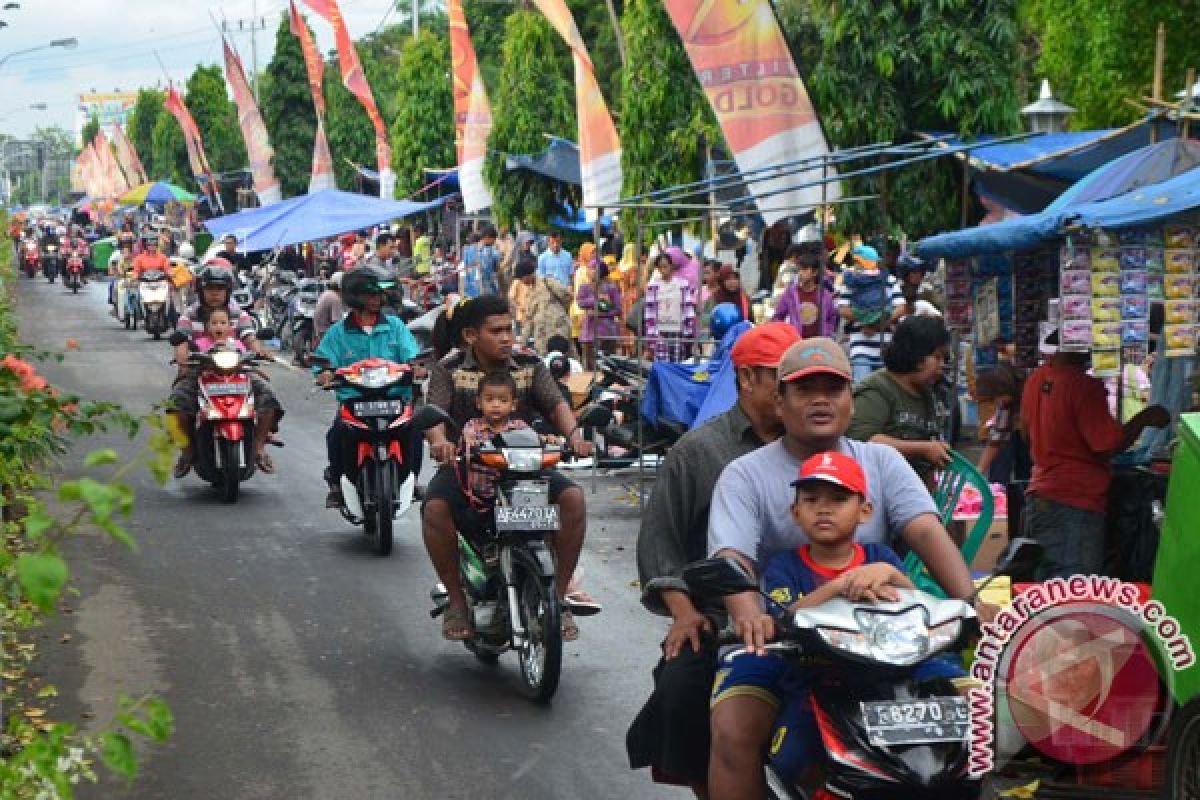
[693, 393]
[1148, 165]
[1144, 206]
[577, 221]
[559, 161]
[311, 216]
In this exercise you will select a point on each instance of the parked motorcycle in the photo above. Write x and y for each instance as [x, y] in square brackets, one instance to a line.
[223, 441]
[887, 735]
[154, 300]
[620, 389]
[50, 262]
[378, 483]
[506, 566]
[31, 257]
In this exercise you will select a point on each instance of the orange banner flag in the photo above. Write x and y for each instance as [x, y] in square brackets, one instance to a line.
[472, 113]
[355, 79]
[191, 138]
[254, 131]
[127, 157]
[599, 147]
[744, 65]
[322, 176]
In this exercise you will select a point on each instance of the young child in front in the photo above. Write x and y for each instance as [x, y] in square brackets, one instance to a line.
[831, 501]
[218, 332]
[496, 399]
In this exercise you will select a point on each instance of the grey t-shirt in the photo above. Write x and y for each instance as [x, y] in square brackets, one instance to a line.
[752, 504]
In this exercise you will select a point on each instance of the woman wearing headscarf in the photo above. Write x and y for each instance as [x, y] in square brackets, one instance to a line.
[729, 290]
[629, 279]
[601, 302]
[583, 274]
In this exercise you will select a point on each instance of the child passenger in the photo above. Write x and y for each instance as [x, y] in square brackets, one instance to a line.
[218, 332]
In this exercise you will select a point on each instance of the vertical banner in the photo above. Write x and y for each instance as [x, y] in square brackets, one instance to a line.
[195, 147]
[354, 79]
[472, 113]
[113, 181]
[742, 60]
[127, 157]
[599, 147]
[254, 130]
[322, 163]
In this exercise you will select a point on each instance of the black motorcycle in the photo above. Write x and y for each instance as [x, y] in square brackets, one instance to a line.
[506, 567]
[51, 262]
[620, 389]
[297, 330]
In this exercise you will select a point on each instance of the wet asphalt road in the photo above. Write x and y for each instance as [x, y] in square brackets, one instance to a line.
[299, 664]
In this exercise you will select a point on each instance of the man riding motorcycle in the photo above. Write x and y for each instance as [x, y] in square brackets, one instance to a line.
[365, 332]
[214, 287]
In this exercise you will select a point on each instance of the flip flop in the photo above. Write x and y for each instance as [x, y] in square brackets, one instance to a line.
[570, 631]
[456, 627]
[264, 463]
[183, 465]
[582, 604]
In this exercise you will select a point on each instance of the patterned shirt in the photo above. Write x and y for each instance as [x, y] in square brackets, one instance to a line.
[481, 480]
[454, 385]
[190, 324]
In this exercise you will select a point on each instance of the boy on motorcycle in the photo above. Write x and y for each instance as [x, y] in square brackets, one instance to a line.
[214, 286]
[365, 332]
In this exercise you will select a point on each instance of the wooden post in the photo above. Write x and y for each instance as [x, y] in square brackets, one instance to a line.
[1160, 57]
[1186, 105]
[618, 33]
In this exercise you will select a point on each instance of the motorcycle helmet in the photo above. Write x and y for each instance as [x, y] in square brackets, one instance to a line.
[724, 317]
[61, 230]
[214, 275]
[359, 283]
[186, 251]
[335, 280]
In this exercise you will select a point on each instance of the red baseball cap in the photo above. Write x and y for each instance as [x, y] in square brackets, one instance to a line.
[763, 345]
[836, 468]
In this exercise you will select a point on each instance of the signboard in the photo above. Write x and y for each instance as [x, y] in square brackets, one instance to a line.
[108, 107]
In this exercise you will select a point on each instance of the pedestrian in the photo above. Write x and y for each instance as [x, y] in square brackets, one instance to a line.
[729, 290]
[807, 304]
[584, 273]
[547, 310]
[601, 304]
[556, 262]
[869, 300]
[519, 295]
[669, 312]
[329, 308]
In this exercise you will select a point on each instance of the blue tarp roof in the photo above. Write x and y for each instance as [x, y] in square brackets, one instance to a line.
[1143, 206]
[559, 161]
[311, 216]
[1146, 166]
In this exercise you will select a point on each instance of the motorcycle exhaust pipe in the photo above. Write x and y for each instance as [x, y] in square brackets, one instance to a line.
[440, 599]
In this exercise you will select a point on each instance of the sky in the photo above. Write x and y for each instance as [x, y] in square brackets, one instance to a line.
[117, 44]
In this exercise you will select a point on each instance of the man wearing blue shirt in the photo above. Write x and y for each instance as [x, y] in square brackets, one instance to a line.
[480, 262]
[556, 262]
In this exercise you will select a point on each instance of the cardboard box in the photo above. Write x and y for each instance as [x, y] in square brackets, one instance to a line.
[993, 544]
[580, 383]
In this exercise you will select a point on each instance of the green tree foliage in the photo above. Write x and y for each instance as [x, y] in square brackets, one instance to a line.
[891, 67]
[169, 153]
[216, 117]
[535, 96]
[146, 111]
[90, 129]
[1097, 53]
[287, 109]
[423, 131]
[665, 118]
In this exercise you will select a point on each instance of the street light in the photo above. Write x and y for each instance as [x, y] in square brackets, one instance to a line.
[66, 44]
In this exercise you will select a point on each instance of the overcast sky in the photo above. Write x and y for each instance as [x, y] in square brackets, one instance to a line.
[117, 44]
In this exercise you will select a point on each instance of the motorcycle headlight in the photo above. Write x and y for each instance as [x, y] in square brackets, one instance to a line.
[374, 377]
[900, 639]
[523, 459]
[226, 359]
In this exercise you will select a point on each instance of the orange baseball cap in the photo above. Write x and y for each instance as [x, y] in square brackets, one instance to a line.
[813, 356]
[763, 345]
[836, 468]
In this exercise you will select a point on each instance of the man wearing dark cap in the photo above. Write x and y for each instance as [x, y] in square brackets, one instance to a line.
[751, 521]
[671, 732]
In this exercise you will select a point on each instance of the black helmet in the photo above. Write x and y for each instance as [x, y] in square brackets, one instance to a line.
[360, 282]
[213, 275]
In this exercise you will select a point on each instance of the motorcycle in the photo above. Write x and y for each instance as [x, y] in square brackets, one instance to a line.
[886, 734]
[223, 441]
[154, 300]
[506, 566]
[73, 276]
[299, 322]
[50, 262]
[31, 258]
[620, 389]
[127, 309]
[377, 486]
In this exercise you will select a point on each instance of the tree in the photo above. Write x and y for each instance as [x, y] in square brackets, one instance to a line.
[535, 96]
[90, 129]
[423, 132]
[288, 112]
[351, 136]
[169, 153]
[216, 118]
[146, 111]
[665, 118]
[933, 65]
[1101, 52]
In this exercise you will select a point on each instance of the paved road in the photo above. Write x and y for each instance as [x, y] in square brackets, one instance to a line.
[298, 664]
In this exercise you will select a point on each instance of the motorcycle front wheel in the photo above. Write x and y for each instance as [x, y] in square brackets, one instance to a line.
[231, 470]
[541, 655]
[381, 515]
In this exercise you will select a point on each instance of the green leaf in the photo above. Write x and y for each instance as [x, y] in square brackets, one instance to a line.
[37, 522]
[159, 718]
[98, 458]
[42, 577]
[119, 756]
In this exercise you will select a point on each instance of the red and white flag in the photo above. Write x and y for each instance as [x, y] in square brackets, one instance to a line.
[472, 113]
[254, 130]
[322, 164]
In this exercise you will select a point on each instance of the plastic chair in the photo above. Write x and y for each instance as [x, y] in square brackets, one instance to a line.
[951, 482]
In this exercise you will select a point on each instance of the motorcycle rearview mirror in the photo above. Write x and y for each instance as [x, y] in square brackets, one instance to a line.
[718, 577]
[431, 415]
[1018, 559]
[320, 361]
[594, 416]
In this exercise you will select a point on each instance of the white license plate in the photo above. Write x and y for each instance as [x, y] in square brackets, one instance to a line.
[936, 719]
[526, 518]
[378, 408]
[227, 388]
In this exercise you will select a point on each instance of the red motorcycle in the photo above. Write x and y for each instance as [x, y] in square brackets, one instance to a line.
[223, 441]
[31, 257]
[73, 276]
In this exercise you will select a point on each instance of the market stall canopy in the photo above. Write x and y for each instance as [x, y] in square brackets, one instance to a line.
[577, 220]
[1144, 206]
[156, 193]
[559, 162]
[311, 216]
[1147, 166]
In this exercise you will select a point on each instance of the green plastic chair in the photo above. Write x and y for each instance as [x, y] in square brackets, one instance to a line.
[959, 474]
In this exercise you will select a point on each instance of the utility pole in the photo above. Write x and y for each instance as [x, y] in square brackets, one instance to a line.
[252, 26]
[416, 15]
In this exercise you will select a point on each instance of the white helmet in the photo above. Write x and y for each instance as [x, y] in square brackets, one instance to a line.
[61, 230]
[186, 251]
[114, 259]
[335, 280]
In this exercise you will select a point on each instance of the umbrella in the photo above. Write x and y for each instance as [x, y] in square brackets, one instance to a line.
[156, 193]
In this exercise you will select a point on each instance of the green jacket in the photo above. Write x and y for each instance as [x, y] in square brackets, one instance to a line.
[345, 343]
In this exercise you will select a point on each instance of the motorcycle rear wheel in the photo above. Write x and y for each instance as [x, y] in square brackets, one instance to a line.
[231, 470]
[541, 655]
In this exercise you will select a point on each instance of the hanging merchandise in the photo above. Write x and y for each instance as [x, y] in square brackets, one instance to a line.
[1035, 281]
[992, 295]
[1179, 291]
[958, 295]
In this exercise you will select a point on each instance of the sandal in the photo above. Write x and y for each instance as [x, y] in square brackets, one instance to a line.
[183, 465]
[582, 603]
[264, 463]
[570, 631]
[456, 627]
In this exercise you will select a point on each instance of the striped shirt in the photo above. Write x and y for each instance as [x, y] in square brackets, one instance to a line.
[869, 346]
[190, 323]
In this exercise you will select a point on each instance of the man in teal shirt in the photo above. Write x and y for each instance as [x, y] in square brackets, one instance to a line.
[366, 332]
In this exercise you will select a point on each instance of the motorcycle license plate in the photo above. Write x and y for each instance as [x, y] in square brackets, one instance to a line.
[378, 408]
[526, 518]
[935, 719]
[227, 388]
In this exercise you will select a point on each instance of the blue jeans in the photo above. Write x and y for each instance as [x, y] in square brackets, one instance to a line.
[1072, 539]
[862, 366]
[1171, 387]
